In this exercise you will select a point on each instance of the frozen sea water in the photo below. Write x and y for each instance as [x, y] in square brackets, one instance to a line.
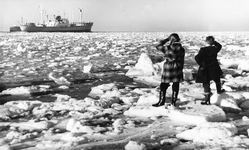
[28, 58]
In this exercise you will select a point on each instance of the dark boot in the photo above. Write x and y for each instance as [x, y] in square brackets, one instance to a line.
[218, 88]
[174, 98]
[207, 99]
[161, 101]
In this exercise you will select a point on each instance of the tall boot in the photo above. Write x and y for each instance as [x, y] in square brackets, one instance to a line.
[207, 99]
[218, 88]
[162, 99]
[174, 98]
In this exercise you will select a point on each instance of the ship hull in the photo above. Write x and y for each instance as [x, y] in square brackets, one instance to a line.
[15, 29]
[85, 28]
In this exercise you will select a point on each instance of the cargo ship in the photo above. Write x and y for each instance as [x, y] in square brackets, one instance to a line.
[72, 27]
[58, 24]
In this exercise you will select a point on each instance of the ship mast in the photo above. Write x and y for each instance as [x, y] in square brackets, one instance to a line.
[80, 15]
[46, 17]
[41, 14]
[64, 13]
[21, 20]
[72, 16]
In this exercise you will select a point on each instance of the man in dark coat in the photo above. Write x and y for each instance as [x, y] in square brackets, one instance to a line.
[209, 68]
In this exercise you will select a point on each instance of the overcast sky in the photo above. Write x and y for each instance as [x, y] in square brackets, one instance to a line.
[135, 15]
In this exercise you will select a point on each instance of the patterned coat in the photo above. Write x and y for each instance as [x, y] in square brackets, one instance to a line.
[173, 66]
[209, 68]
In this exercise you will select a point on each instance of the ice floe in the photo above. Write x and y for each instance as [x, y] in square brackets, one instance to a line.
[116, 113]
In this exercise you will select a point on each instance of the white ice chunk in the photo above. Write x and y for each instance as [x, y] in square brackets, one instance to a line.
[32, 126]
[226, 102]
[228, 63]
[209, 131]
[196, 113]
[146, 111]
[243, 65]
[132, 145]
[148, 99]
[25, 105]
[144, 66]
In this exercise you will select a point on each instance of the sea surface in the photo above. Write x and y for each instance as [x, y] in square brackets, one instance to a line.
[27, 59]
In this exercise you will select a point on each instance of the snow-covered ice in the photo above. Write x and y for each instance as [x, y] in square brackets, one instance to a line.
[62, 93]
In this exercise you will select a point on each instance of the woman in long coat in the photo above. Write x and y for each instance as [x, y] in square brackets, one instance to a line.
[173, 67]
[209, 68]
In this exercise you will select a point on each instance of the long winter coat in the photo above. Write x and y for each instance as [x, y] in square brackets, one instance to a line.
[173, 66]
[209, 68]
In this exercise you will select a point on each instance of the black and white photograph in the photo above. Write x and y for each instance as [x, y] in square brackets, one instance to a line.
[124, 74]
